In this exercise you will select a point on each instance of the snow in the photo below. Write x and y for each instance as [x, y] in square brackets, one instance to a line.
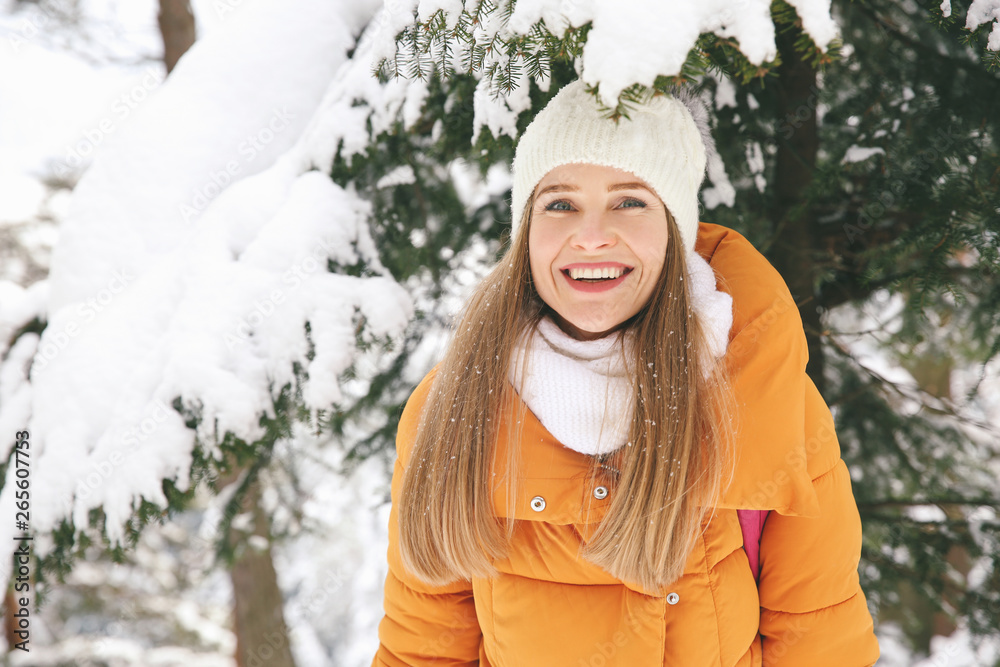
[474, 190]
[89, 58]
[860, 153]
[61, 120]
[957, 650]
[617, 55]
[347, 546]
[725, 92]
[498, 113]
[816, 20]
[18, 306]
[15, 392]
[722, 191]
[401, 175]
[984, 11]
[354, 100]
[270, 66]
[755, 161]
[195, 249]
[145, 306]
[618, 52]
[116, 653]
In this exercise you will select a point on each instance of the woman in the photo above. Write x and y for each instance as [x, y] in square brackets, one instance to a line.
[568, 478]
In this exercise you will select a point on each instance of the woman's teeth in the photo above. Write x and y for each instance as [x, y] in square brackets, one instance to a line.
[597, 274]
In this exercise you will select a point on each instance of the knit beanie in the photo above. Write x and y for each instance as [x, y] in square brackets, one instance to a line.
[660, 142]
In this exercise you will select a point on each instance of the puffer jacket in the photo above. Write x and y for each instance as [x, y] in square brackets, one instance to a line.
[548, 607]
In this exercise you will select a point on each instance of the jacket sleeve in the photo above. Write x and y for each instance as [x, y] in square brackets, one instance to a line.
[812, 609]
[422, 624]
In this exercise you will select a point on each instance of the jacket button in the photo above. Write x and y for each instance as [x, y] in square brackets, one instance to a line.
[673, 598]
[601, 492]
[538, 503]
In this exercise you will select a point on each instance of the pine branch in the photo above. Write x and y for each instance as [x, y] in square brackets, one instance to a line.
[934, 403]
[973, 68]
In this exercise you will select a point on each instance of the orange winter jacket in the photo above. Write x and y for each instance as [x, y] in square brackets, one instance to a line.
[549, 608]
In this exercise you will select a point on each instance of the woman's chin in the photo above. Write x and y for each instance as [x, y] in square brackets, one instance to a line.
[583, 329]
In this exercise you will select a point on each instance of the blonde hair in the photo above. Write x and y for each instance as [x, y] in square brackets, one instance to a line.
[666, 480]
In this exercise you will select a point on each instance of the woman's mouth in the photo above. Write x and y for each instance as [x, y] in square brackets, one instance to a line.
[594, 275]
[595, 279]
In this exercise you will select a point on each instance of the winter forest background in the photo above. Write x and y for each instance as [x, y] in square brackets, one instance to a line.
[228, 252]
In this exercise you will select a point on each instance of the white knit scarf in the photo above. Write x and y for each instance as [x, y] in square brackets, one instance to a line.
[581, 390]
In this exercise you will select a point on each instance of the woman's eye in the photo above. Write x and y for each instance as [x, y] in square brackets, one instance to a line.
[632, 202]
[558, 205]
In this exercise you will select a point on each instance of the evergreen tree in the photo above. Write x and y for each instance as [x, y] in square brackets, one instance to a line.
[907, 229]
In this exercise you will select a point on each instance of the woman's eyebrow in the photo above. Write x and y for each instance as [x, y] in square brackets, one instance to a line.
[558, 187]
[566, 187]
[629, 186]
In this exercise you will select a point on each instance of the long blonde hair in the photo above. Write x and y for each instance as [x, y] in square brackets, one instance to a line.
[666, 479]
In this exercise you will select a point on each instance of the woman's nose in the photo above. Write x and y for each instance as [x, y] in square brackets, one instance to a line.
[593, 233]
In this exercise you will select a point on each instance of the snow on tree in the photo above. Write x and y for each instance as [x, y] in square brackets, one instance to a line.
[615, 52]
[206, 266]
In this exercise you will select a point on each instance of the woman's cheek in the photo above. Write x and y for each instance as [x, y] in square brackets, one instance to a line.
[543, 284]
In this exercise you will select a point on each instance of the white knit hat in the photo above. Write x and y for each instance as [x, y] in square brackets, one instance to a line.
[664, 142]
[660, 142]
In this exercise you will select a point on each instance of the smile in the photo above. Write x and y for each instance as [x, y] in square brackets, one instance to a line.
[596, 278]
[606, 273]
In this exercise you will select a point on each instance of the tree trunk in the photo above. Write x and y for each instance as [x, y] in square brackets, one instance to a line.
[259, 623]
[793, 252]
[9, 622]
[177, 27]
[933, 371]
[261, 633]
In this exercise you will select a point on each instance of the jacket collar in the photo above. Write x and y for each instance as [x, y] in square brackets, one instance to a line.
[773, 480]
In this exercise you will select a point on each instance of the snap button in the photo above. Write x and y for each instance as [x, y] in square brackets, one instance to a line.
[538, 503]
[673, 598]
[601, 492]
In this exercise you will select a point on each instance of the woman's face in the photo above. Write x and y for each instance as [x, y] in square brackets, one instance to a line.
[597, 243]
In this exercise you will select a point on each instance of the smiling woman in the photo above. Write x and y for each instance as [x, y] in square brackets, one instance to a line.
[573, 479]
[597, 244]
